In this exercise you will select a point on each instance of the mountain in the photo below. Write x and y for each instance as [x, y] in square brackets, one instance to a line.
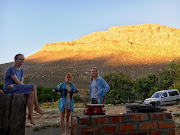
[136, 50]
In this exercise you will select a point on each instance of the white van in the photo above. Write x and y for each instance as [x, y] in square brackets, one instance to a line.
[164, 97]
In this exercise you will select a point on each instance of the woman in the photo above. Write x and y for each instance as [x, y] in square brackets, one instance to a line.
[66, 103]
[98, 87]
[14, 78]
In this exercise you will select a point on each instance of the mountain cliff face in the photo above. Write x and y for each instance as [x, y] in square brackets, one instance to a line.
[136, 50]
[146, 42]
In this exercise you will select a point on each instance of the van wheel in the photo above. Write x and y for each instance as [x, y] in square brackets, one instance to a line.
[177, 102]
[158, 104]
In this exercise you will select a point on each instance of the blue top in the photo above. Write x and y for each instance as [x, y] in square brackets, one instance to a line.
[26, 88]
[103, 88]
[63, 90]
[12, 71]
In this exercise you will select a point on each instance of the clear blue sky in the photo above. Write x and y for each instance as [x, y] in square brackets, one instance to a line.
[26, 25]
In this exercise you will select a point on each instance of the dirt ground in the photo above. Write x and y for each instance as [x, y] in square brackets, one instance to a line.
[54, 116]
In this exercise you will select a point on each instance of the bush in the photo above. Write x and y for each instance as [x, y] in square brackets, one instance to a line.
[2, 86]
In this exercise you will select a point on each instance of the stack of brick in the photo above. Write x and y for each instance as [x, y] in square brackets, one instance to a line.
[124, 124]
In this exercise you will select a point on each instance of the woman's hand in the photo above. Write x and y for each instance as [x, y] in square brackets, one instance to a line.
[53, 90]
[10, 86]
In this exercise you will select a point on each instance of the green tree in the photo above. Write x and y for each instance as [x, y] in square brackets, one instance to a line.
[1, 86]
[143, 85]
[46, 94]
[174, 69]
[121, 88]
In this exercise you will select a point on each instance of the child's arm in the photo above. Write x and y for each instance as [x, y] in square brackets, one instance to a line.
[58, 88]
[75, 90]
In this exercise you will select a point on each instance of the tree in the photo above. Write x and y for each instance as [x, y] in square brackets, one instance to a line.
[174, 69]
[46, 94]
[121, 88]
[143, 85]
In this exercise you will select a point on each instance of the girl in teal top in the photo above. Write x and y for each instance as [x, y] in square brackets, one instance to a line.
[66, 103]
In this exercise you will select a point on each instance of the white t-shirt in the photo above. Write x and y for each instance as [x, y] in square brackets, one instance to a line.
[94, 89]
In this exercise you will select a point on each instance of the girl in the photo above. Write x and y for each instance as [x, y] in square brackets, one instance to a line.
[98, 87]
[66, 103]
[14, 78]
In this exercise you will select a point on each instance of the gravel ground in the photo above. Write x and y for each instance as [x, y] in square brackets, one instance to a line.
[47, 131]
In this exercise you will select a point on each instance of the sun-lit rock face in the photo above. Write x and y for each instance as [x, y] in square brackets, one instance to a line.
[130, 44]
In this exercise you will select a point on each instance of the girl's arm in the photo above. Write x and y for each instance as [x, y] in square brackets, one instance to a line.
[75, 90]
[58, 88]
[15, 79]
[22, 80]
[106, 87]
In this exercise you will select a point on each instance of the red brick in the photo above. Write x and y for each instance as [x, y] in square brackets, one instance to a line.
[116, 119]
[156, 132]
[140, 117]
[157, 116]
[168, 116]
[109, 129]
[99, 120]
[84, 121]
[172, 132]
[90, 131]
[166, 125]
[148, 125]
[121, 134]
[127, 127]
[139, 133]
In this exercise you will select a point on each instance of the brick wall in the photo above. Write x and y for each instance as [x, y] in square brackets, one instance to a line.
[124, 124]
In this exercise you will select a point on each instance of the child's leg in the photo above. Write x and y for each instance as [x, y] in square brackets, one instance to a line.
[62, 114]
[68, 112]
[30, 103]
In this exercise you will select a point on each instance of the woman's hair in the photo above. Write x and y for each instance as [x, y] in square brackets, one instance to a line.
[70, 75]
[17, 55]
[96, 71]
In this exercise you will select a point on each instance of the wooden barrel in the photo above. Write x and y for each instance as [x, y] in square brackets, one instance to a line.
[12, 114]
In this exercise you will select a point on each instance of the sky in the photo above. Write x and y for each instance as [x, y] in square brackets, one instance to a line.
[27, 25]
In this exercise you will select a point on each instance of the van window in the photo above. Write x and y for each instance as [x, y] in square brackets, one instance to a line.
[156, 95]
[164, 94]
[173, 93]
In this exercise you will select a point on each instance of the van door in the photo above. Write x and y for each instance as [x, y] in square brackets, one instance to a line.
[164, 98]
[172, 95]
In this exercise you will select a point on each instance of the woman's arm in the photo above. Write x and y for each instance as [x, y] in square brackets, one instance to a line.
[15, 79]
[22, 80]
[106, 87]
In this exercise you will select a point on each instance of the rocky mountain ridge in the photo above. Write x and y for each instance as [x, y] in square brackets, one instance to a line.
[136, 50]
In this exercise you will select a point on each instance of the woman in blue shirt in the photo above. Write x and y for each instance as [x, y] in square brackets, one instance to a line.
[98, 87]
[14, 78]
[66, 103]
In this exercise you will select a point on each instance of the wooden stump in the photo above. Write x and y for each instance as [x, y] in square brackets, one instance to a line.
[12, 114]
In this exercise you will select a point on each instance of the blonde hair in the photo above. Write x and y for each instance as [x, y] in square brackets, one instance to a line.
[69, 74]
[96, 71]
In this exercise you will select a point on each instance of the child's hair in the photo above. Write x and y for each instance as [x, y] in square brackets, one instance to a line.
[70, 75]
[17, 55]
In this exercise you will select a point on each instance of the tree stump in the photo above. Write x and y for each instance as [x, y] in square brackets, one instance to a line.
[12, 114]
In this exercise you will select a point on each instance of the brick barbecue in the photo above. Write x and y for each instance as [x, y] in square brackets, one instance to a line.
[152, 123]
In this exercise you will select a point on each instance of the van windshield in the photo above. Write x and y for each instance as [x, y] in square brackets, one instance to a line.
[156, 95]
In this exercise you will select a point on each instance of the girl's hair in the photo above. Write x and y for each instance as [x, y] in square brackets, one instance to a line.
[70, 75]
[96, 71]
[17, 55]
